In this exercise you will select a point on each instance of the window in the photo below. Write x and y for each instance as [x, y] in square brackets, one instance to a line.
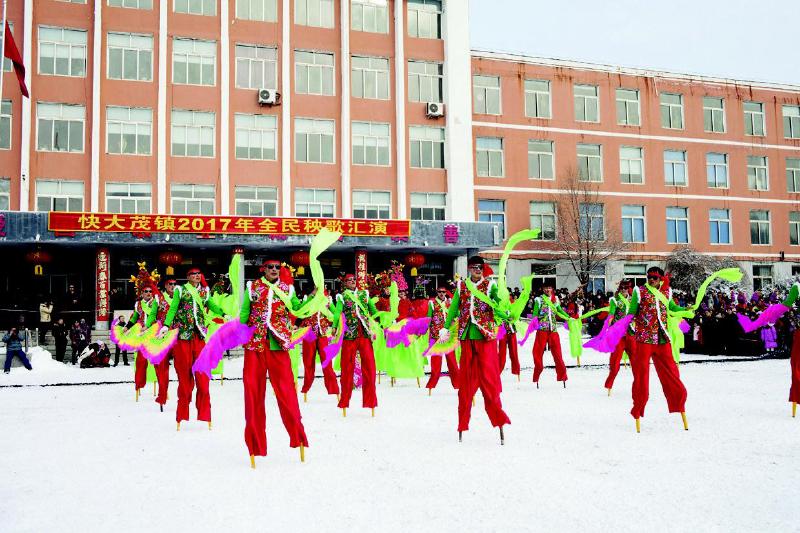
[540, 160]
[128, 130]
[424, 82]
[7, 61]
[425, 19]
[5, 125]
[313, 73]
[486, 94]
[713, 114]
[717, 170]
[428, 205]
[672, 111]
[314, 140]
[631, 164]
[256, 67]
[678, 225]
[587, 103]
[754, 119]
[762, 276]
[130, 57]
[493, 211]
[597, 280]
[193, 133]
[62, 52]
[316, 13]
[372, 204]
[369, 15]
[719, 226]
[543, 218]
[792, 174]
[427, 147]
[190, 199]
[371, 143]
[194, 62]
[675, 168]
[5, 194]
[133, 4]
[759, 227]
[490, 156]
[590, 162]
[370, 77]
[196, 7]
[314, 202]
[60, 127]
[757, 173]
[256, 136]
[128, 198]
[637, 273]
[633, 223]
[592, 222]
[256, 201]
[262, 10]
[59, 195]
[628, 113]
[537, 99]
[791, 121]
[794, 227]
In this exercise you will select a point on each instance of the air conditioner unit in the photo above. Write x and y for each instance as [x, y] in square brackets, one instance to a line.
[268, 97]
[434, 109]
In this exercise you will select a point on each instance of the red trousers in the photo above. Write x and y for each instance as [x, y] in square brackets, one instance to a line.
[310, 350]
[552, 339]
[140, 377]
[363, 345]
[279, 366]
[668, 374]
[436, 370]
[185, 354]
[509, 342]
[479, 369]
[626, 344]
[794, 361]
[162, 374]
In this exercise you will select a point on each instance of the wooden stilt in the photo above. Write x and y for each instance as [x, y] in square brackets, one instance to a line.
[685, 423]
[221, 380]
[502, 437]
[418, 385]
[379, 378]
[579, 361]
[305, 398]
[565, 384]
[161, 406]
[392, 382]
[338, 398]
[429, 392]
[609, 392]
[794, 409]
[638, 427]
[179, 427]
[373, 412]
[253, 462]
[519, 378]
[209, 425]
[537, 384]
[473, 401]
[137, 395]
[459, 436]
[302, 454]
[344, 412]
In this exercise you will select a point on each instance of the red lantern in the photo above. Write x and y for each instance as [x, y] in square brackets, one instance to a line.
[300, 259]
[170, 259]
[414, 260]
[38, 258]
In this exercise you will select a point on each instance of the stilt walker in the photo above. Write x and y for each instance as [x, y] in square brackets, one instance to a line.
[508, 344]
[149, 308]
[618, 309]
[321, 327]
[402, 360]
[162, 368]
[547, 309]
[437, 311]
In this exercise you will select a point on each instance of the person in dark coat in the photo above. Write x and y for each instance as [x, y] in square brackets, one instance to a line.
[60, 334]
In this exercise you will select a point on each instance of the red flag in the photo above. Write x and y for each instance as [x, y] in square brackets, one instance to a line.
[12, 53]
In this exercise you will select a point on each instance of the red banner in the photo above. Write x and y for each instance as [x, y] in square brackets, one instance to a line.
[361, 268]
[233, 225]
[103, 283]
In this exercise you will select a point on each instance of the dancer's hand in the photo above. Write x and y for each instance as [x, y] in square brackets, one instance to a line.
[444, 335]
[162, 331]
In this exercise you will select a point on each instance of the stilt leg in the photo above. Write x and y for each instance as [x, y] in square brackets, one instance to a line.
[209, 425]
[302, 454]
[473, 401]
[794, 409]
[565, 384]
[344, 412]
[609, 392]
[161, 406]
[579, 361]
[519, 378]
[537, 384]
[137, 395]
[459, 436]
[502, 437]
[379, 378]
[221, 380]
[253, 462]
[305, 398]
[179, 427]
[638, 427]
[418, 385]
[373, 412]
[685, 423]
[429, 392]
[392, 381]
[337, 398]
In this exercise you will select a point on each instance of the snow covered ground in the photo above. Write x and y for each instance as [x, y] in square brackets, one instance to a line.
[89, 458]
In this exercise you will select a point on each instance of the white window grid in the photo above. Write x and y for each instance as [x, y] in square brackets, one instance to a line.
[793, 174]
[791, 121]
[260, 10]
[372, 204]
[590, 162]
[538, 103]
[6, 121]
[489, 157]
[543, 218]
[315, 13]
[754, 119]
[425, 81]
[678, 225]
[314, 141]
[256, 67]
[713, 114]
[370, 77]
[587, 103]
[719, 226]
[62, 51]
[428, 205]
[631, 164]
[60, 127]
[592, 221]
[427, 147]
[129, 130]
[193, 133]
[637, 273]
[425, 19]
[192, 199]
[59, 195]
[717, 170]
[760, 227]
[132, 4]
[134, 198]
[671, 111]
[130, 57]
[371, 144]
[634, 224]
[486, 95]
[493, 211]
[252, 201]
[675, 168]
[757, 173]
[194, 62]
[762, 276]
[541, 160]
[207, 8]
[370, 16]
[315, 203]
[256, 136]
[628, 107]
[314, 73]
[5, 194]
[794, 228]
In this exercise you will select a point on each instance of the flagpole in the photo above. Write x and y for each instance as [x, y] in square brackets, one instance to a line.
[3, 51]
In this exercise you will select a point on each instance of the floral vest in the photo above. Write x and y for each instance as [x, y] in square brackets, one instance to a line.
[318, 323]
[268, 314]
[650, 322]
[357, 323]
[188, 317]
[547, 316]
[141, 313]
[472, 310]
[438, 316]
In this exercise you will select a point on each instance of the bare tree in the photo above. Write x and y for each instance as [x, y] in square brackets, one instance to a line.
[689, 269]
[587, 237]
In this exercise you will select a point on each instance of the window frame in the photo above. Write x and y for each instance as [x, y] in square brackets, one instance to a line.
[716, 166]
[199, 199]
[189, 5]
[488, 157]
[194, 41]
[59, 194]
[250, 131]
[677, 221]
[136, 125]
[435, 13]
[586, 99]
[427, 205]
[791, 123]
[7, 105]
[759, 223]
[135, 199]
[364, 73]
[315, 122]
[55, 44]
[793, 173]
[429, 79]
[249, 202]
[53, 132]
[536, 94]
[750, 119]
[265, 3]
[670, 107]
[673, 164]
[538, 156]
[761, 172]
[626, 120]
[794, 228]
[443, 141]
[590, 221]
[712, 113]
[712, 220]
[131, 47]
[315, 202]
[322, 15]
[377, 138]
[250, 60]
[486, 90]
[371, 205]
[541, 220]
[324, 70]
[492, 214]
[629, 161]
[194, 113]
[589, 159]
[633, 219]
[376, 8]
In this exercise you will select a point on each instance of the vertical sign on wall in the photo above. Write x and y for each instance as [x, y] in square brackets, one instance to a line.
[361, 268]
[103, 274]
